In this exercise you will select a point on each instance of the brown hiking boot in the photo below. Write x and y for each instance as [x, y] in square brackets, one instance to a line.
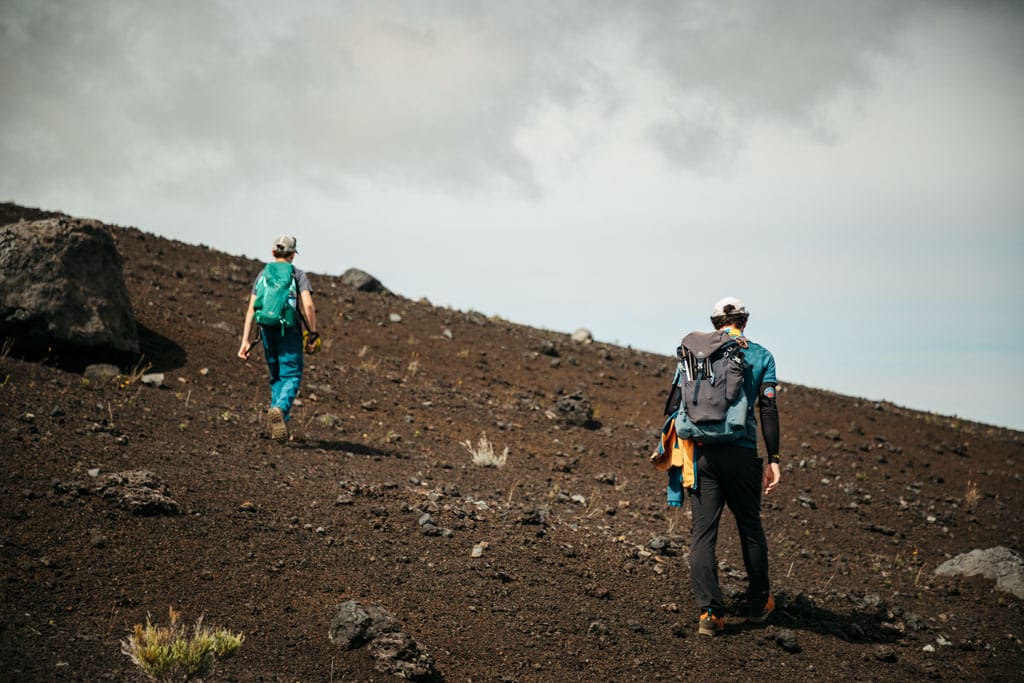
[710, 624]
[276, 425]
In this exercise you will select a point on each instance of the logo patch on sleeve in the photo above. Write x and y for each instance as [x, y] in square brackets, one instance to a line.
[769, 392]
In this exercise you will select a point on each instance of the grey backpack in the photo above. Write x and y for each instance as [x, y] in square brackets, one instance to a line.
[707, 394]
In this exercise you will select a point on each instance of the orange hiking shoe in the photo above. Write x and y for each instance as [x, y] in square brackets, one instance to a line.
[276, 424]
[710, 624]
[759, 616]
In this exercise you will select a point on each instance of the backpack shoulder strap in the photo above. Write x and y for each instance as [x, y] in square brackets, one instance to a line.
[298, 301]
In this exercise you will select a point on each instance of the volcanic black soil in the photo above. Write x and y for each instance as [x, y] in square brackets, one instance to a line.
[583, 574]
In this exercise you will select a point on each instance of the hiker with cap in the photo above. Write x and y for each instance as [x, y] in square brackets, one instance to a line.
[721, 376]
[280, 304]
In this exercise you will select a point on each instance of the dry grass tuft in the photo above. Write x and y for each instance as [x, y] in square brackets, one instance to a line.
[971, 495]
[484, 455]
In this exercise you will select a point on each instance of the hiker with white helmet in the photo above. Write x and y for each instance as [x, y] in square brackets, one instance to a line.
[281, 303]
[712, 438]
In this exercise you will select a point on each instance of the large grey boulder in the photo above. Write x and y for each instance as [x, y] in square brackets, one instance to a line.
[61, 280]
[361, 280]
[999, 563]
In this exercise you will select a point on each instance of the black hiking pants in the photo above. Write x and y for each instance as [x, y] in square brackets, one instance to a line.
[727, 475]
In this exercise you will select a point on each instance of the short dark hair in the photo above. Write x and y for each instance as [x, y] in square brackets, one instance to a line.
[737, 319]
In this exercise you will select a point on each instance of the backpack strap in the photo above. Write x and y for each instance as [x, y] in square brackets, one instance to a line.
[298, 303]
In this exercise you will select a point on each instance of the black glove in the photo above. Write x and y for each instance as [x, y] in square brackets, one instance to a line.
[311, 341]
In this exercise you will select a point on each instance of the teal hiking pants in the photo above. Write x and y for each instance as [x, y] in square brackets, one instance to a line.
[283, 350]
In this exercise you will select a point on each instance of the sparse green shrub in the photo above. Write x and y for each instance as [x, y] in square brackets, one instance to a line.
[175, 653]
[484, 455]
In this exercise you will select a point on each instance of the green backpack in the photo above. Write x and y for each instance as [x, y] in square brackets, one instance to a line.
[276, 296]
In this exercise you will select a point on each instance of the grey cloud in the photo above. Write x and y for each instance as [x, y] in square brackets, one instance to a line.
[222, 93]
[203, 97]
[732, 64]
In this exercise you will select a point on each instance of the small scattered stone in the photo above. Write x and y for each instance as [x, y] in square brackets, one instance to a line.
[397, 654]
[97, 539]
[101, 372]
[548, 348]
[786, 639]
[582, 336]
[807, 502]
[885, 653]
[538, 515]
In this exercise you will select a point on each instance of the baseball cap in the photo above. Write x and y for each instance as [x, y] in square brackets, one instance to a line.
[730, 305]
[285, 243]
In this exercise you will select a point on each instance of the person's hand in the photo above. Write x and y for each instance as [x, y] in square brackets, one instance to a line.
[772, 475]
[245, 349]
[313, 342]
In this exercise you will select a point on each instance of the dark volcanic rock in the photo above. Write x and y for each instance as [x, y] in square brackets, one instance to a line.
[786, 639]
[361, 280]
[61, 281]
[355, 624]
[141, 492]
[399, 655]
[576, 410]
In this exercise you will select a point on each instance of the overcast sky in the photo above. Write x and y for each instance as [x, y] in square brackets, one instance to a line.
[853, 170]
